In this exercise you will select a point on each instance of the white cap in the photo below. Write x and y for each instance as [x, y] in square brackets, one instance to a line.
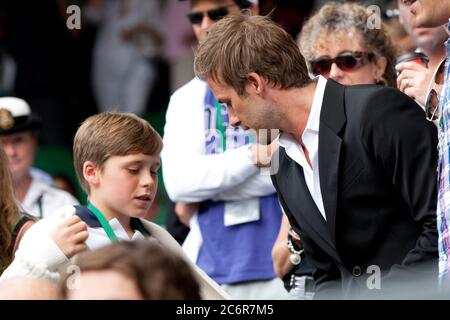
[15, 115]
[18, 107]
[255, 2]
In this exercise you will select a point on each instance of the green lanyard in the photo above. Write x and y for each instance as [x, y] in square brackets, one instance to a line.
[219, 125]
[104, 223]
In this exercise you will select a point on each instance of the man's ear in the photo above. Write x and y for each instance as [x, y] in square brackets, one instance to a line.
[91, 173]
[255, 82]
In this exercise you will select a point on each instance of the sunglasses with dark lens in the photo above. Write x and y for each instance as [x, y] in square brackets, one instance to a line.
[196, 17]
[347, 61]
[434, 90]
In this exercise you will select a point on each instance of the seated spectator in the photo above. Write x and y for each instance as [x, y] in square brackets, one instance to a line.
[337, 45]
[29, 289]
[133, 271]
[19, 135]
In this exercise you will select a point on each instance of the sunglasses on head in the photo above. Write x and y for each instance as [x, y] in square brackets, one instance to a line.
[196, 17]
[434, 90]
[347, 61]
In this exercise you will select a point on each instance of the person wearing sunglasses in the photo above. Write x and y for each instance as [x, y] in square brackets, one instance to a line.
[233, 211]
[430, 13]
[337, 44]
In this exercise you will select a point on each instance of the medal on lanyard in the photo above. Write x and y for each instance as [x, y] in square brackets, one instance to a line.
[103, 222]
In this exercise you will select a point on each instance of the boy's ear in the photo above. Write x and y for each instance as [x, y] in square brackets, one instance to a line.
[91, 173]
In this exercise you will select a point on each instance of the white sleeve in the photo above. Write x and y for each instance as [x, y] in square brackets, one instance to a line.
[189, 174]
[37, 255]
[257, 185]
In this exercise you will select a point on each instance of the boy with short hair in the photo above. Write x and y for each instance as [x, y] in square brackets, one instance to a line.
[116, 158]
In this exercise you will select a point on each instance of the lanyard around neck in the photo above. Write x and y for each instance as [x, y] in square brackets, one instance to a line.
[219, 125]
[103, 222]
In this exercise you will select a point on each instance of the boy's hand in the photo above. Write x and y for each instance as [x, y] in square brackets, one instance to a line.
[262, 154]
[185, 211]
[70, 236]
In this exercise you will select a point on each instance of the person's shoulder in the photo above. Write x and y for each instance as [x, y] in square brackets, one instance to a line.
[190, 89]
[60, 197]
[370, 91]
[161, 234]
[375, 100]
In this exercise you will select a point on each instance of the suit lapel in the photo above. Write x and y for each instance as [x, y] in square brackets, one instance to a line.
[303, 208]
[332, 120]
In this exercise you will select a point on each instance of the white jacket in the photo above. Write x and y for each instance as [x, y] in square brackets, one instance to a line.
[39, 257]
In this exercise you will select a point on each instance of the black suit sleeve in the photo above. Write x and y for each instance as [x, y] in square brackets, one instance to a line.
[399, 138]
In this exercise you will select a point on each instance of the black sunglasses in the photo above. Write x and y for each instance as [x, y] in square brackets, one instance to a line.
[347, 61]
[196, 17]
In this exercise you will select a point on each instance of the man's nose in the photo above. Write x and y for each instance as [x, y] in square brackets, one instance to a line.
[234, 120]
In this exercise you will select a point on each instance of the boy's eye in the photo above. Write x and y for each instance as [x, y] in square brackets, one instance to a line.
[133, 170]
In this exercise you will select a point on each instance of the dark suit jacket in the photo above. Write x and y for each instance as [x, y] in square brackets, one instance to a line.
[377, 167]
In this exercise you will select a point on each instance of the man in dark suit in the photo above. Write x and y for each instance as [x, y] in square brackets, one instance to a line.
[357, 165]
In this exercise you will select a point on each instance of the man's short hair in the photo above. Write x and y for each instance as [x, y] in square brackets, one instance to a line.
[112, 134]
[240, 44]
[158, 272]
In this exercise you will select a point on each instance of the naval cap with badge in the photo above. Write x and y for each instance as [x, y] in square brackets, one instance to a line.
[16, 116]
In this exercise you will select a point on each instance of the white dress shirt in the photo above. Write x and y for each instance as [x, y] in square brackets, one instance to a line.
[310, 138]
[98, 237]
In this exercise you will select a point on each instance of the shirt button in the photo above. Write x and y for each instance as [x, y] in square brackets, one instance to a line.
[357, 271]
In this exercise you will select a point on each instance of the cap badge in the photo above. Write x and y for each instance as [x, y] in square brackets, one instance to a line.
[6, 119]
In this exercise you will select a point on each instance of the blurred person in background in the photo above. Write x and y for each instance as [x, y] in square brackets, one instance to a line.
[29, 289]
[337, 43]
[415, 78]
[129, 36]
[132, 270]
[19, 130]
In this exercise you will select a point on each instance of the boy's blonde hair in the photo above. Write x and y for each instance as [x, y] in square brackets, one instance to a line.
[112, 134]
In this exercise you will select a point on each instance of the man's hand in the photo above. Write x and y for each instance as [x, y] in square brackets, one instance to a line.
[70, 236]
[414, 80]
[185, 211]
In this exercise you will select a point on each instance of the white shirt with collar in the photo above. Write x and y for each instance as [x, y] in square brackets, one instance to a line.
[310, 138]
[98, 237]
[42, 200]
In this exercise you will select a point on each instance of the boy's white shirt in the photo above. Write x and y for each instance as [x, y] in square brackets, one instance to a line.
[39, 257]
